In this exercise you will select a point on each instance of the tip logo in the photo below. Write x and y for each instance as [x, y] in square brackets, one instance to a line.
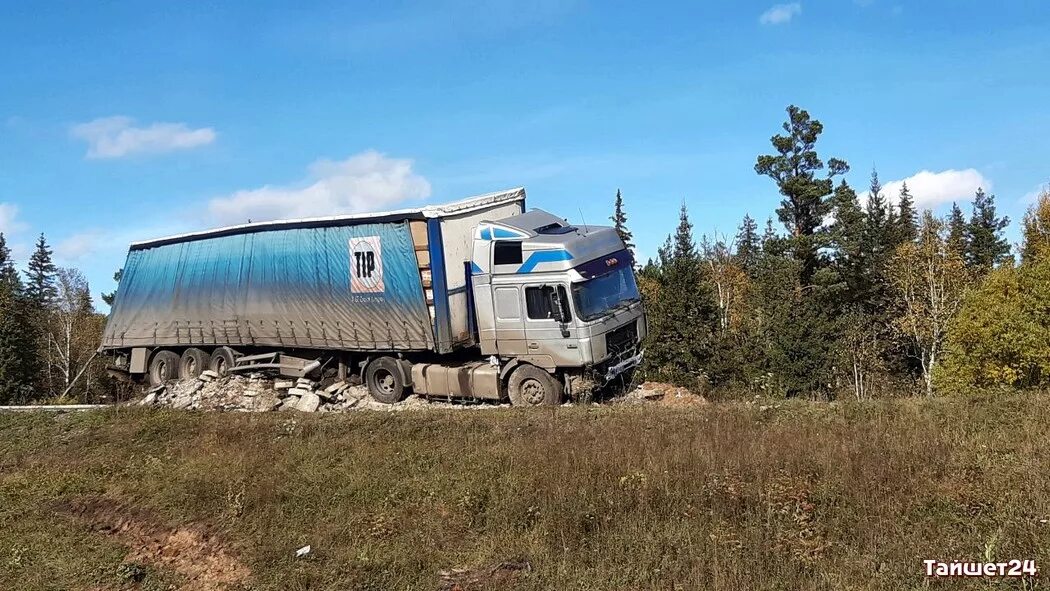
[366, 265]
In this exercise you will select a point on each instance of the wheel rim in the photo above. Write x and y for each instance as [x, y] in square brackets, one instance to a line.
[533, 391]
[162, 370]
[384, 381]
[191, 366]
[220, 366]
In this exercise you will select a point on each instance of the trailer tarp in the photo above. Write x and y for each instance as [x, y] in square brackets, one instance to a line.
[354, 286]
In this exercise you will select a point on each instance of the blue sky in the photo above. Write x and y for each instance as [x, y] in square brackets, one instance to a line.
[125, 121]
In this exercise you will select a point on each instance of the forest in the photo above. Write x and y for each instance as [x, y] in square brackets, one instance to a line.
[839, 294]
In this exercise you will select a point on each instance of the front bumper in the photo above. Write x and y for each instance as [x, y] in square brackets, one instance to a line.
[613, 371]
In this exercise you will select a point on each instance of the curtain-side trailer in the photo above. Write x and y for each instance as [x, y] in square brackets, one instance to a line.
[475, 299]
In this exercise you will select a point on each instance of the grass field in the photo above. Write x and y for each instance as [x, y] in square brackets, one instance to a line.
[725, 496]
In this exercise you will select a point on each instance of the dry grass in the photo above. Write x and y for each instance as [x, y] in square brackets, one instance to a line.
[725, 496]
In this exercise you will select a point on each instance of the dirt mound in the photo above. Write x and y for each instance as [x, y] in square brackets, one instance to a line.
[663, 394]
[192, 552]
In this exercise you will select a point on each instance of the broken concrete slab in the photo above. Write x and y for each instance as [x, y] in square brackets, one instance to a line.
[309, 402]
[283, 384]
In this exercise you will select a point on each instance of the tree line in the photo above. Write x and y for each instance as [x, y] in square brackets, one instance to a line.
[49, 332]
[851, 297]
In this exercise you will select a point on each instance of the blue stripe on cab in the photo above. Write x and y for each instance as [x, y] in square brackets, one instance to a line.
[502, 233]
[544, 256]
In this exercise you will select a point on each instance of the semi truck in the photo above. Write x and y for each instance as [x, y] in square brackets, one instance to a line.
[476, 299]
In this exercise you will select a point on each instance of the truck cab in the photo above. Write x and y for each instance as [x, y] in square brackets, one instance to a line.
[557, 296]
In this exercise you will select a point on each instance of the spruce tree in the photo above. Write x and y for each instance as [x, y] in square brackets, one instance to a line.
[748, 245]
[686, 314]
[849, 235]
[619, 220]
[877, 213]
[40, 276]
[16, 350]
[957, 231]
[985, 245]
[795, 168]
[907, 224]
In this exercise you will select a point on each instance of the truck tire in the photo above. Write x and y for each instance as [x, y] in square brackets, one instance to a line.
[532, 386]
[222, 359]
[164, 367]
[384, 380]
[193, 362]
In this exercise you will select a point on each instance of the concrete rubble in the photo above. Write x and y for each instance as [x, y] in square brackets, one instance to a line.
[260, 393]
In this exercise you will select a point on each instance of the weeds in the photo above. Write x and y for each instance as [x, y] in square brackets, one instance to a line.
[725, 496]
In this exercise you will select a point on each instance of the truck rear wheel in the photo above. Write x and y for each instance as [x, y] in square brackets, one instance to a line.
[164, 367]
[222, 359]
[193, 362]
[532, 386]
[384, 380]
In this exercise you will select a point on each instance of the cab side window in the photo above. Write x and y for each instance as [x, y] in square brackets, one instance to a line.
[538, 302]
[506, 252]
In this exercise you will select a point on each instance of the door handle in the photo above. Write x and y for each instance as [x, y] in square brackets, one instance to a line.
[534, 345]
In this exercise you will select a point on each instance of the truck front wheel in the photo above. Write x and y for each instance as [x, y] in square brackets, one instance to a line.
[384, 380]
[164, 367]
[531, 386]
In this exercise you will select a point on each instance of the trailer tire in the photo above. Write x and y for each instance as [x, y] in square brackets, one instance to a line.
[385, 380]
[193, 362]
[164, 367]
[532, 386]
[222, 359]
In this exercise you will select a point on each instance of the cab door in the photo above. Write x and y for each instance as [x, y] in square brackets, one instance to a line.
[545, 334]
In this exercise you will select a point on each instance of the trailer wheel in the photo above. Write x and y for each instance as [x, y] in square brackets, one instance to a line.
[193, 362]
[222, 359]
[384, 380]
[164, 367]
[532, 386]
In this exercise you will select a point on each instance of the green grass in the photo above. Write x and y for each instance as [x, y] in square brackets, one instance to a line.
[804, 496]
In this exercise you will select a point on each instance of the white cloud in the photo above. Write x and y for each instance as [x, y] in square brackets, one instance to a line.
[780, 13]
[368, 181]
[930, 189]
[78, 246]
[1033, 195]
[116, 137]
[9, 223]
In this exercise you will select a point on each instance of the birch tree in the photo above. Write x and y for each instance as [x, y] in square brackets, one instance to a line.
[72, 329]
[927, 279]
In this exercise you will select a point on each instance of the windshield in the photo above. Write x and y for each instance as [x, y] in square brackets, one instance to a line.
[597, 296]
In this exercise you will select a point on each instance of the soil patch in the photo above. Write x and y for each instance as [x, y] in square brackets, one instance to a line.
[192, 552]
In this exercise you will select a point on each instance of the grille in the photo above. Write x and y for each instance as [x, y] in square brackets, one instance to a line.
[622, 339]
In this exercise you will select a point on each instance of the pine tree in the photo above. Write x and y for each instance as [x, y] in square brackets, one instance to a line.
[40, 276]
[619, 219]
[907, 228]
[957, 231]
[748, 245]
[985, 245]
[794, 168]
